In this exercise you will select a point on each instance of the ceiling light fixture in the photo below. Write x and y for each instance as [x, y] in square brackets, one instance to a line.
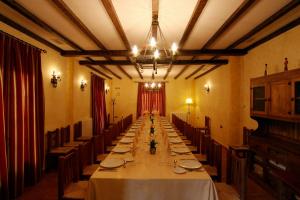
[153, 86]
[156, 48]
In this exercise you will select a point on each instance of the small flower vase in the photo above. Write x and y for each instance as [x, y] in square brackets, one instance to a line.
[152, 147]
[152, 130]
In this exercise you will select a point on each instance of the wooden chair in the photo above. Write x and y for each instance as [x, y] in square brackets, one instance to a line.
[203, 156]
[78, 133]
[99, 152]
[214, 167]
[236, 187]
[68, 185]
[65, 138]
[86, 166]
[54, 150]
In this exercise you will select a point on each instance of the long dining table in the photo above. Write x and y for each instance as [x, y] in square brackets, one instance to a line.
[145, 176]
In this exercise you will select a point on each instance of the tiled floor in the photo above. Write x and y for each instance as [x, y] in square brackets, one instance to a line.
[46, 189]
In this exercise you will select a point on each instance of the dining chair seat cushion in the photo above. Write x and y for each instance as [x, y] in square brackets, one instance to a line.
[77, 190]
[226, 191]
[211, 170]
[89, 170]
[61, 150]
[201, 157]
[84, 138]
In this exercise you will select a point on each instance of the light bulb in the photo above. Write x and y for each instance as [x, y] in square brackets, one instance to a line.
[152, 85]
[152, 42]
[174, 48]
[159, 85]
[135, 51]
[146, 85]
[156, 54]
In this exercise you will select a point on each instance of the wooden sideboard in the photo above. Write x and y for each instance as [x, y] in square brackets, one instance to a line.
[275, 145]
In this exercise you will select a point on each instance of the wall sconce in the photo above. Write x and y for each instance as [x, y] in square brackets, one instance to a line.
[83, 84]
[207, 88]
[55, 78]
[106, 89]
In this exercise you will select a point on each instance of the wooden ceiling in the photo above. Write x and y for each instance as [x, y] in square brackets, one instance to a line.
[100, 33]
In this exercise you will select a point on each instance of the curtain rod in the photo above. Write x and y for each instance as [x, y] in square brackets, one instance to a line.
[42, 50]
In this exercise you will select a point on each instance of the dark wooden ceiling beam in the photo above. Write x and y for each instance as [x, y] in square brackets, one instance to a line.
[75, 20]
[150, 61]
[126, 53]
[196, 13]
[284, 10]
[242, 10]
[115, 20]
[26, 31]
[24, 12]
[195, 72]
[292, 24]
[208, 71]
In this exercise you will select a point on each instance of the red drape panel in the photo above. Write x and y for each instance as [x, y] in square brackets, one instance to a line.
[98, 104]
[150, 100]
[22, 151]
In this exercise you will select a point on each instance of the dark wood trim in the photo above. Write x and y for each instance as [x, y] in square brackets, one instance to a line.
[29, 33]
[168, 71]
[181, 71]
[125, 53]
[115, 20]
[197, 12]
[195, 71]
[290, 6]
[242, 9]
[175, 62]
[208, 71]
[96, 70]
[69, 13]
[292, 24]
[24, 12]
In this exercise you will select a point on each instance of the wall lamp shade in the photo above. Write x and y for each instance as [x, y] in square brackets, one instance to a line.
[207, 88]
[55, 79]
[83, 84]
[188, 101]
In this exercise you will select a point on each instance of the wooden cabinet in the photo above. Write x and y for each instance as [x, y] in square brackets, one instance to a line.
[276, 96]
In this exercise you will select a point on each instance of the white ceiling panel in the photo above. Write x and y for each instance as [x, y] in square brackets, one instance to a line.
[258, 13]
[213, 16]
[135, 17]
[49, 13]
[93, 14]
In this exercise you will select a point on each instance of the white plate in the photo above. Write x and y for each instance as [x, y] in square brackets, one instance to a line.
[126, 140]
[179, 170]
[181, 150]
[121, 149]
[129, 159]
[131, 134]
[173, 134]
[175, 140]
[189, 164]
[131, 131]
[112, 163]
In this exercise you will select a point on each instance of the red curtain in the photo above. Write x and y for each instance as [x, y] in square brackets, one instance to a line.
[98, 104]
[150, 100]
[22, 116]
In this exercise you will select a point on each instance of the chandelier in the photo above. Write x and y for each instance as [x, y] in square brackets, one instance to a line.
[155, 48]
[152, 86]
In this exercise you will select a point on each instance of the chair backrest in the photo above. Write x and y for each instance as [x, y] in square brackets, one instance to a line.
[98, 145]
[216, 157]
[52, 139]
[207, 124]
[64, 135]
[67, 171]
[85, 155]
[77, 130]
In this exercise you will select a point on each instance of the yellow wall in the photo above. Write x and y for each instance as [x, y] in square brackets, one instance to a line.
[228, 102]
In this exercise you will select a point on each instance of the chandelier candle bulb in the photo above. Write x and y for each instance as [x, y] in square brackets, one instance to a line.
[152, 42]
[135, 51]
[174, 48]
[156, 54]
